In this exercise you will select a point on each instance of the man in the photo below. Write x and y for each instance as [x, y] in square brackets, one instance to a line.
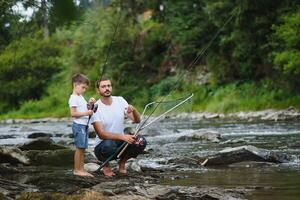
[108, 123]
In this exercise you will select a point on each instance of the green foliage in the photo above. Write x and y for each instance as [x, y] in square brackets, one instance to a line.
[286, 57]
[253, 59]
[26, 67]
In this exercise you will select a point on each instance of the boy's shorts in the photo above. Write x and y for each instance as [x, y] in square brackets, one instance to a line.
[80, 135]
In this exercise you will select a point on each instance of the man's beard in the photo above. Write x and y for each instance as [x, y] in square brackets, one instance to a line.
[106, 94]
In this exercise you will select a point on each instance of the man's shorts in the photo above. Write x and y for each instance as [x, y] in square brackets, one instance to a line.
[80, 135]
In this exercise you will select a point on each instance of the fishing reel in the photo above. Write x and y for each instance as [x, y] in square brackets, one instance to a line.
[92, 106]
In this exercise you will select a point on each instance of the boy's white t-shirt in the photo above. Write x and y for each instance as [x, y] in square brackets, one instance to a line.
[111, 116]
[80, 103]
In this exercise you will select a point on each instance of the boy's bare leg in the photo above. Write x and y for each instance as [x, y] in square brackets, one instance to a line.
[78, 163]
[107, 171]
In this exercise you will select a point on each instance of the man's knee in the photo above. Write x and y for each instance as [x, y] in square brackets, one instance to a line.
[108, 147]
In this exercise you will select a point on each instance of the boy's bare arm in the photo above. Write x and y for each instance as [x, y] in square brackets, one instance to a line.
[104, 135]
[74, 112]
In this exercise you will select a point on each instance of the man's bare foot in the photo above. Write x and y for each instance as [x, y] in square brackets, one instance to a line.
[82, 173]
[107, 171]
[122, 169]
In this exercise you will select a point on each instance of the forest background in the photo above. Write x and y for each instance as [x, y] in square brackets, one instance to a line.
[252, 64]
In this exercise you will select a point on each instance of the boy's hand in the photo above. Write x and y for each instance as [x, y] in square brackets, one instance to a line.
[90, 112]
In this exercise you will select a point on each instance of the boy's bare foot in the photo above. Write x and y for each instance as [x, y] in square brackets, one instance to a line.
[82, 173]
[122, 169]
[88, 174]
[108, 172]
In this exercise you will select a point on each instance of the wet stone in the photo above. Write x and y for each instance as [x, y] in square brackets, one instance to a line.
[43, 143]
[12, 155]
[58, 157]
[39, 134]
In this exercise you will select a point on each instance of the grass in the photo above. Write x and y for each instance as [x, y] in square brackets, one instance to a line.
[224, 99]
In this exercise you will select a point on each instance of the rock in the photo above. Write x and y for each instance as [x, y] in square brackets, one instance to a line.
[244, 153]
[6, 168]
[6, 137]
[41, 144]
[39, 134]
[71, 135]
[234, 141]
[12, 155]
[134, 166]
[152, 132]
[92, 134]
[134, 189]
[10, 189]
[79, 195]
[58, 157]
[202, 136]
[129, 130]
[91, 167]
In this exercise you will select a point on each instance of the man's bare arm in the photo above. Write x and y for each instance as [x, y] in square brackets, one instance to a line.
[133, 114]
[104, 135]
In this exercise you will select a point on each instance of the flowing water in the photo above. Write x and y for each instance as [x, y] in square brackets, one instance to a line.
[262, 180]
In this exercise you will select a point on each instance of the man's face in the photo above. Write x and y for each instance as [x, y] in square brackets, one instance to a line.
[105, 88]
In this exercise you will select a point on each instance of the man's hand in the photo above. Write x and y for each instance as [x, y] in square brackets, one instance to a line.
[130, 109]
[128, 138]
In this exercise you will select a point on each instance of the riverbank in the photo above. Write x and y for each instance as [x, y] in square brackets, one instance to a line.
[290, 113]
[265, 153]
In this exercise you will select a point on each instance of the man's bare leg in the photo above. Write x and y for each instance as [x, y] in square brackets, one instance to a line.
[122, 167]
[107, 171]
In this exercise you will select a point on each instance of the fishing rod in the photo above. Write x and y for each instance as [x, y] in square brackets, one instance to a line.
[154, 120]
[123, 147]
[191, 65]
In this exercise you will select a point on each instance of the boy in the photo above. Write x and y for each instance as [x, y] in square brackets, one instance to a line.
[80, 114]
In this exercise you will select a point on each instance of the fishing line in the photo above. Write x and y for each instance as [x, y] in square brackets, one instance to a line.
[181, 76]
[191, 65]
[110, 45]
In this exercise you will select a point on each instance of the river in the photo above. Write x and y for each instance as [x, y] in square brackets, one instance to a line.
[263, 180]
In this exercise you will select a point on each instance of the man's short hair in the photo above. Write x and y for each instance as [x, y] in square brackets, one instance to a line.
[79, 79]
[103, 78]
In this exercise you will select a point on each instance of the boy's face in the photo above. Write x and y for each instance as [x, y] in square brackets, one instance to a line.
[80, 88]
[105, 88]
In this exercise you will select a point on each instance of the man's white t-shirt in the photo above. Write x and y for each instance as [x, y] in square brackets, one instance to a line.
[79, 102]
[111, 116]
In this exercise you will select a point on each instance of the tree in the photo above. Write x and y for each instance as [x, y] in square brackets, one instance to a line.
[286, 56]
[26, 66]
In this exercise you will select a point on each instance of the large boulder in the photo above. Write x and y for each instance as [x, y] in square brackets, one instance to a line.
[58, 157]
[39, 134]
[244, 153]
[43, 143]
[201, 136]
[12, 155]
